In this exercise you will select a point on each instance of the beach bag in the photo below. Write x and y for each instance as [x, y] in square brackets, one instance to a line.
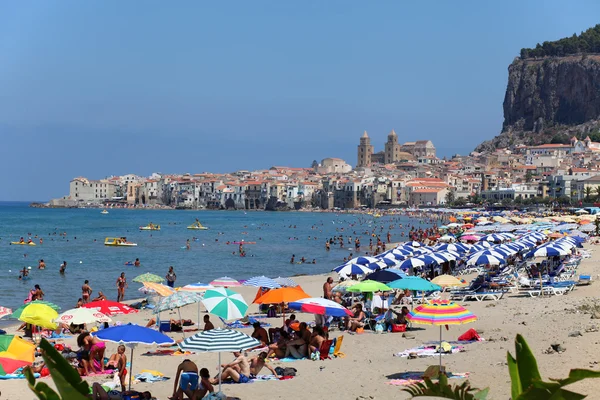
[289, 371]
[398, 328]
[271, 313]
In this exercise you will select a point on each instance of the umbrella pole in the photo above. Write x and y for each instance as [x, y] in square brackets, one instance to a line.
[180, 321]
[219, 372]
[131, 368]
[198, 323]
[440, 371]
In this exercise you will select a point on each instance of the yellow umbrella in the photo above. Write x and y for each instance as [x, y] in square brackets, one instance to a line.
[159, 288]
[447, 281]
[39, 315]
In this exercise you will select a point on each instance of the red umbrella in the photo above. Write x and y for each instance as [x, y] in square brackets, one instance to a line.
[110, 308]
[10, 365]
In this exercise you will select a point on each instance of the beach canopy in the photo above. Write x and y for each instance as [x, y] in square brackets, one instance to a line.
[78, 316]
[447, 281]
[219, 340]
[387, 275]
[148, 277]
[176, 300]
[196, 287]
[5, 311]
[225, 303]
[225, 281]
[485, 259]
[110, 308]
[262, 281]
[369, 286]
[353, 269]
[440, 312]
[288, 282]
[320, 306]
[282, 295]
[411, 263]
[344, 285]
[159, 288]
[39, 315]
[15, 353]
[132, 335]
[548, 251]
[414, 283]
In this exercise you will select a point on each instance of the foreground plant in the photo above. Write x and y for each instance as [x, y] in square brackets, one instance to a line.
[69, 384]
[526, 381]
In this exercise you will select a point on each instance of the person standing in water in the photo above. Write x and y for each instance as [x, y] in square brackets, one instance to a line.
[171, 277]
[187, 244]
[63, 267]
[86, 292]
[41, 264]
[121, 286]
[137, 262]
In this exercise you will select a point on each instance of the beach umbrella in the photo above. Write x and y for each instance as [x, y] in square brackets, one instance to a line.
[387, 275]
[353, 269]
[458, 247]
[226, 282]
[547, 251]
[196, 287]
[148, 277]
[15, 353]
[414, 283]
[493, 251]
[383, 263]
[431, 259]
[282, 295]
[403, 251]
[362, 260]
[79, 316]
[132, 335]
[178, 300]
[262, 281]
[219, 340]
[413, 244]
[469, 238]
[225, 303]
[320, 306]
[17, 313]
[485, 259]
[411, 263]
[394, 257]
[110, 308]
[5, 311]
[344, 285]
[159, 288]
[447, 281]
[369, 286]
[440, 312]
[39, 315]
[287, 282]
[581, 211]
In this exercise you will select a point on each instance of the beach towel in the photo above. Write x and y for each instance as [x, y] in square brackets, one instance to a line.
[150, 377]
[410, 378]
[429, 351]
[17, 376]
[291, 359]
[167, 352]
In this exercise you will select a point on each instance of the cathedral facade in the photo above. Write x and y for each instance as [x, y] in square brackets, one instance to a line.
[393, 152]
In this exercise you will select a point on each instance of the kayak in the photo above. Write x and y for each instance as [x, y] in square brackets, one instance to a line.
[23, 243]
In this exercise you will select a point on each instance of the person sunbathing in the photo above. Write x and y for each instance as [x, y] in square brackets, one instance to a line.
[275, 332]
[176, 325]
[357, 320]
[100, 296]
[204, 386]
[238, 370]
[278, 349]
[257, 363]
[118, 361]
[318, 337]
[298, 348]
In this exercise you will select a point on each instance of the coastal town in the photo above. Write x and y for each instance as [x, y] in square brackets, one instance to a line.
[408, 174]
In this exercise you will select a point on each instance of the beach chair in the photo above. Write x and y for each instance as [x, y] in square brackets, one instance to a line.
[338, 346]
[584, 280]
[324, 350]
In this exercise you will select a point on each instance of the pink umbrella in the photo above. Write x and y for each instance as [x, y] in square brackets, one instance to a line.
[469, 238]
[226, 282]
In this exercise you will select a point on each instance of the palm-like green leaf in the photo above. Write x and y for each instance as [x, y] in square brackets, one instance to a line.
[444, 390]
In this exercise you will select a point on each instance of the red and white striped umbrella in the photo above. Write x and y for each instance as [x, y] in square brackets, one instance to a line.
[5, 311]
[317, 305]
[226, 282]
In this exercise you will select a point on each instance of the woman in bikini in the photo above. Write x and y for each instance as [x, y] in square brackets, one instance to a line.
[95, 346]
[86, 291]
[121, 285]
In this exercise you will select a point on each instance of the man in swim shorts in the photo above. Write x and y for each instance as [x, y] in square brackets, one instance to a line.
[186, 380]
[238, 370]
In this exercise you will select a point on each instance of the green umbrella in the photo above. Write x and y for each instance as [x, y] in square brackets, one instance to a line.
[225, 303]
[369, 286]
[148, 277]
[17, 313]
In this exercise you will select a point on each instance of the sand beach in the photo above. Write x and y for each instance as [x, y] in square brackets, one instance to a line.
[369, 365]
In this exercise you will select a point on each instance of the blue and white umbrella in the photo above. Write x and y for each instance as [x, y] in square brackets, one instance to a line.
[494, 237]
[386, 261]
[353, 269]
[547, 251]
[362, 260]
[392, 255]
[431, 259]
[411, 263]
[262, 281]
[286, 282]
[413, 244]
[485, 259]
[405, 251]
[458, 247]
[489, 252]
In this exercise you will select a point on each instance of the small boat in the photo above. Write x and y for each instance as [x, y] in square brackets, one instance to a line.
[150, 227]
[23, 243]
[103, 212]
[197, 226]
[122, 241]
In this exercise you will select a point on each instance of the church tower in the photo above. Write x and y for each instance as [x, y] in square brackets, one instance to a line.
[365, 150]
[392, 149]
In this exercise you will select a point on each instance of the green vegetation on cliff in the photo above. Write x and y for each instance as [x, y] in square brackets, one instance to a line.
[587, 42]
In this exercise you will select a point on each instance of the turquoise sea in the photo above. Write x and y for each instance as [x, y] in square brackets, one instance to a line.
[278, 235]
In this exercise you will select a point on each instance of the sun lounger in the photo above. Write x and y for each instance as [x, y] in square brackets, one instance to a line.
[338, 345]
[483, 296]
[324, 350]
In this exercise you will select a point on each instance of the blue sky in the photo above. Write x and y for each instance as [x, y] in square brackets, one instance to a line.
[96, 88]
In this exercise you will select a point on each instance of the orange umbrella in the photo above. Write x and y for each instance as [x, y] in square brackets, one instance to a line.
[159, 288]
[282, 295]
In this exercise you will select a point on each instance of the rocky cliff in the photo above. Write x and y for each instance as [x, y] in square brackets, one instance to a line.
[549, 99]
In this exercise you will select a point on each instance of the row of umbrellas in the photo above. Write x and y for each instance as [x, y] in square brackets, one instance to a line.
[225, 281]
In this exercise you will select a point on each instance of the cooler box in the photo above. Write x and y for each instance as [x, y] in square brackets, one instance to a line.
[165, 326]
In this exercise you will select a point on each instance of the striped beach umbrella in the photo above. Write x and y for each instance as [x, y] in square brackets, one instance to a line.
[320, 306]
[362, 260]
[353, 269]
[287, 282]
[226, 282]
[484, 259]
[411, 263]
[196, 287]
[5, 311]
[225, 303]
[441, 312]
[219, 340]
[159, 288]
[262, 281]
[148, 277]
[176, 300]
